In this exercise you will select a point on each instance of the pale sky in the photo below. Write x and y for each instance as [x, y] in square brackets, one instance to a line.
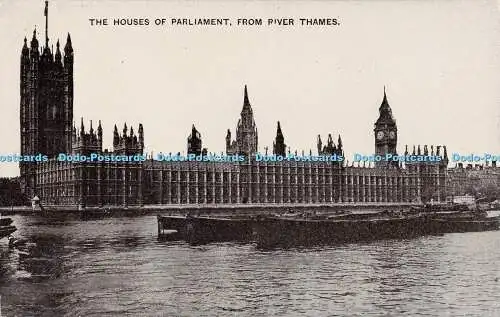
[438, 59]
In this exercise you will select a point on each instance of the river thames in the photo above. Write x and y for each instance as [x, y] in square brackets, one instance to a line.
[117, 267]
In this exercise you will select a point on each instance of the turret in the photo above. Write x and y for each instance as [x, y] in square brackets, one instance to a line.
[58, 56]
[128, 143]
[67, 70]
[34, 42]
[194, 145]
[68, 48]
[228, 140]
[116, 137]
[68, 55]
[329, 142]
[279, 143]
[25, 61]
[99, 134]
[279, 133]
[25, 51]
[141, 136]
[82, 128]
[320, 145]
[24, 84]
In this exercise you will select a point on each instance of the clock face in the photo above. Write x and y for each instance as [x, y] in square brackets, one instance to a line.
[380, 135]
[392, 134]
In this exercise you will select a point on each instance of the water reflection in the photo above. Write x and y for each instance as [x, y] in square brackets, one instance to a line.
[116, 267]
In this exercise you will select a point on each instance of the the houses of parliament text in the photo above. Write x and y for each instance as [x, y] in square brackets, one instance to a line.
[47, 127]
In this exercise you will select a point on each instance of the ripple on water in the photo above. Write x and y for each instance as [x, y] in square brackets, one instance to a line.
[116, 266]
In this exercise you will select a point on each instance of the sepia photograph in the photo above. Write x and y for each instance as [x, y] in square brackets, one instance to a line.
[250, 158]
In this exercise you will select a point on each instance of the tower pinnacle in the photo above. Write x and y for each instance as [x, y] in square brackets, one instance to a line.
[25, 50]
[279, 145]
[246, 131]
[34, 40]
[68, 48]
[385, 111]
[246, 101]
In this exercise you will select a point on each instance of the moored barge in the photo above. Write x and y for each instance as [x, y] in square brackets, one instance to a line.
[205, 229]
[287, 232]
[462, 221]
[309, 228]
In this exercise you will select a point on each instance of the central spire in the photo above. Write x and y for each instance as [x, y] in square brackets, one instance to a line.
[279, 132]
[246, 131]
[246, 101]
[247, 108]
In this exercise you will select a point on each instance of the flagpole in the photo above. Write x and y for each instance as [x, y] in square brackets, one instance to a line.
[46, 13]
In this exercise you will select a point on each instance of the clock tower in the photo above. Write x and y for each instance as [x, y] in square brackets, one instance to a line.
[386, 134]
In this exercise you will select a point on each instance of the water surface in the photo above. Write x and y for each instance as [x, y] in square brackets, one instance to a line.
[117, 267]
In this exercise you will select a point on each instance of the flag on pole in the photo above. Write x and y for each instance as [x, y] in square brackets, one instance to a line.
[46, 11]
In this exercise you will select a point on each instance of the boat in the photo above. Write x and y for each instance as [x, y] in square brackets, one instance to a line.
[205, 229]
[279, 231]
[202, 229]
[171, 228]
[310, 228]
[465, 225]
[287, 232]
[463, 221]
[454, 217]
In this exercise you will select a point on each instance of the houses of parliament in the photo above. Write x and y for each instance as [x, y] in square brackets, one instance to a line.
[47, 127]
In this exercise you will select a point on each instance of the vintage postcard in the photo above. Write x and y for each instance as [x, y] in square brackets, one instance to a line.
[249, 158]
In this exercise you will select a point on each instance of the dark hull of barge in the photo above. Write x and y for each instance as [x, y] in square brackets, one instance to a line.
[463, 225]
[203, 229]
[279, 232]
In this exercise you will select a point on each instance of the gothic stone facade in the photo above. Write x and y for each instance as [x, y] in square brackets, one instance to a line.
[249, 182]
[46, 116]
[46, 110]
[477, 179]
